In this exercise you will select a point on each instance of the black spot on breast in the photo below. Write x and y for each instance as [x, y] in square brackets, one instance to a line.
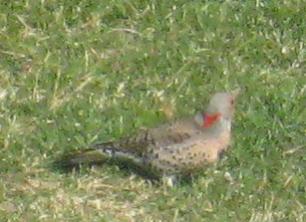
[171, 151]
[190, 156]
[159, 170]
[185, 163]
[167, 162]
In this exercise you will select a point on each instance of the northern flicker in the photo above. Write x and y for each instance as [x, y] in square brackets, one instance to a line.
[176, 148]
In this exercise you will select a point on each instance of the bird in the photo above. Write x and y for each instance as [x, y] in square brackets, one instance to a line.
[170, 150]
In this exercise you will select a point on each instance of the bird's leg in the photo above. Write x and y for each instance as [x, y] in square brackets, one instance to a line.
[169, 180]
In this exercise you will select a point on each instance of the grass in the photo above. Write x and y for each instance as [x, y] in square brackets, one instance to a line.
[81, 71]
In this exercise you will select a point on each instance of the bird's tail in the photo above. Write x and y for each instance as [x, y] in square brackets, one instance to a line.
[98, 154]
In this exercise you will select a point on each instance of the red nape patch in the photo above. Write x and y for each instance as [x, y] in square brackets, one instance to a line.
[210, 119]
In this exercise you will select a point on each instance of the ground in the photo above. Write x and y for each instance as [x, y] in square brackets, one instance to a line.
[77, 72]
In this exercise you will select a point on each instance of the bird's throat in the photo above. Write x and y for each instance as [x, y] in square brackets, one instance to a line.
[210, 119]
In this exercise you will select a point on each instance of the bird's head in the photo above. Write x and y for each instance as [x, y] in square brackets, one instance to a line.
[221, 107]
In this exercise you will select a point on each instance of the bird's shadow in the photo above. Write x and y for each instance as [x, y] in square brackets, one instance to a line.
[126, 166]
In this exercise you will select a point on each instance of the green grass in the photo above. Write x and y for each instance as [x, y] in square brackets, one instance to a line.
[81, 71]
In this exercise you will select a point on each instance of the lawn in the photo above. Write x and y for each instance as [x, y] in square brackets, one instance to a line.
[77, 72]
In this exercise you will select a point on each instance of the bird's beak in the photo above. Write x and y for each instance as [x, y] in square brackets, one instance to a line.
[235, 92]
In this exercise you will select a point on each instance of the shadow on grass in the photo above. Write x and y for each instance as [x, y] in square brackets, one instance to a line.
[64, 165]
